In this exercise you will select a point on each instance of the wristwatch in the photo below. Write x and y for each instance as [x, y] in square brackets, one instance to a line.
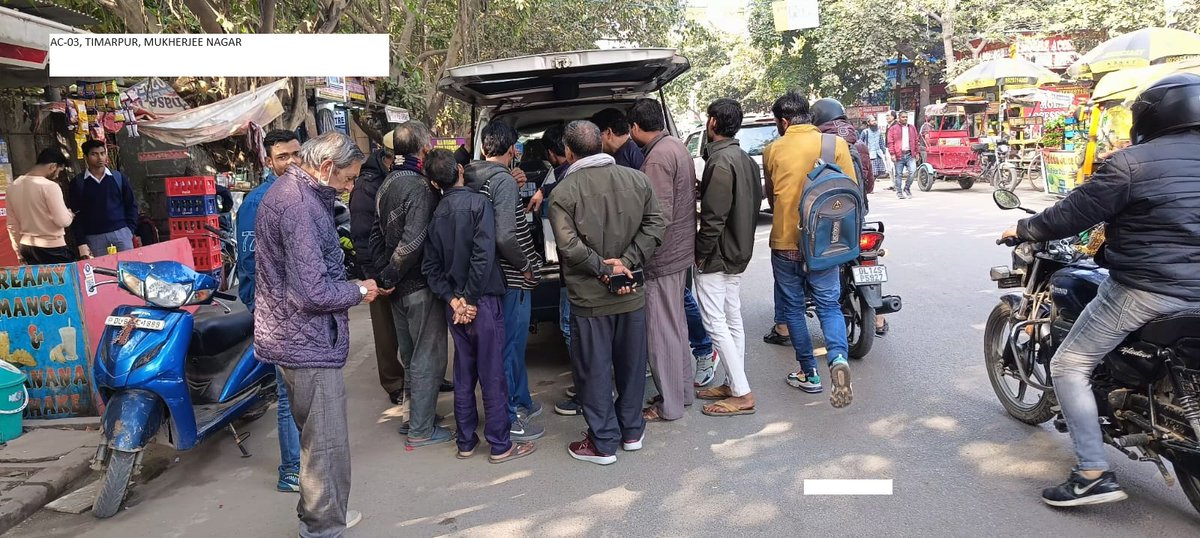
[364, 291]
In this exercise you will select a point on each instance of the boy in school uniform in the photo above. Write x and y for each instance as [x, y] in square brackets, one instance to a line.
[461, 267]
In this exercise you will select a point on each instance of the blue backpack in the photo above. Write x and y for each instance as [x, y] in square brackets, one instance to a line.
[831, 212]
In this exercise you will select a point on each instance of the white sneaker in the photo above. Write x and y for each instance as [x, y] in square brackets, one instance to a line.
[706, 369]
[630, 446]
[352, 518]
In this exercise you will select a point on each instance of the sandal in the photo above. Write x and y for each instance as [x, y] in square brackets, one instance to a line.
[655, 400]
[722, 408]
[464, 454]
[518, 450]
[650, 414]
[440, 435]
[881, 331]
[715, 393]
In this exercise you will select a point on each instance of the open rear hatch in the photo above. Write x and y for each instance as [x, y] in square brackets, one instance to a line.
[564, 76]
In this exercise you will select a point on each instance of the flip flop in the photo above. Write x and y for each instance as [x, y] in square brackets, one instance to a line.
[715, 393]
[651, 414]
[725, 409]
[440, 435]
[518, 450]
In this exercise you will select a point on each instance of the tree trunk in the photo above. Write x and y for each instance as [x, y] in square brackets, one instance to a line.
[924, 76]
[410, 25]
[210, 20]
[133, 16]
[435, 100]
[947, 20]
[330, 16]
[267, 10]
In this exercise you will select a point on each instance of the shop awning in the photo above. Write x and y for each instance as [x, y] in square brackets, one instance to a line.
[219, 120]
[25, 43]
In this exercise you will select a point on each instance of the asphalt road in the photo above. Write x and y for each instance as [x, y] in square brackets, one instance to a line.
[924, 416]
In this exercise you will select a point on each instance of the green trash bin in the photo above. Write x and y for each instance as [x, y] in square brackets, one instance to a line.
[13, 399]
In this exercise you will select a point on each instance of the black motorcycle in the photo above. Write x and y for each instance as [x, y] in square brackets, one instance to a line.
[862, 292]
[1147, 390]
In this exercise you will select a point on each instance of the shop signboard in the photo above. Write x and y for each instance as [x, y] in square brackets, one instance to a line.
[339, 120]
[448, 143]
[41, 332]
[355, 90]
[1060, 171]
[156, 96]
[332, 89]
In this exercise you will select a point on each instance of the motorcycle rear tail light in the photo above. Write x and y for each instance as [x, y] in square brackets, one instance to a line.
[870, 240]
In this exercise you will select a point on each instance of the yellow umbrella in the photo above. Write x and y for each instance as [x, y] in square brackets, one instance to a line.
[1006, 72]
[1144, 47]
[1189, 66]
[1126, 84]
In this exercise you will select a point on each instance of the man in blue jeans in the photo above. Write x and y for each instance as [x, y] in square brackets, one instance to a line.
[786, 165]
[283, 150]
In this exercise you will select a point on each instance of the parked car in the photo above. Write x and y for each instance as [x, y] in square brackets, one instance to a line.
[532, 93]
[756, 133]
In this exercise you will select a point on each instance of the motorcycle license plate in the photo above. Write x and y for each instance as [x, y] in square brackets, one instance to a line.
[150, 324]
[872, 274]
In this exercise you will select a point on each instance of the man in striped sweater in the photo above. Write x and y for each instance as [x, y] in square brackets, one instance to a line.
[494, 177]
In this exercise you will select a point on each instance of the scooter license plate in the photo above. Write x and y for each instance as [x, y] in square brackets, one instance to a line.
[872, 274]
[150, 324]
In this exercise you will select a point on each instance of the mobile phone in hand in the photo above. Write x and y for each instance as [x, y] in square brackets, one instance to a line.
[616, 282]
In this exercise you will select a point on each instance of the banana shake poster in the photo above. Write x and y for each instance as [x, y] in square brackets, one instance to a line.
[41, 332]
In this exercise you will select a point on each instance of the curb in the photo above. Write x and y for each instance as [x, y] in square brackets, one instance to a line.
[43, 487]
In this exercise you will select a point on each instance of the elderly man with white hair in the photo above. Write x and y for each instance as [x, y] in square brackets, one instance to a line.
[301, 321]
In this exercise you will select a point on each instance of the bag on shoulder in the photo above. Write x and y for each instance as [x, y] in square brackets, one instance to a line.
[831, 211]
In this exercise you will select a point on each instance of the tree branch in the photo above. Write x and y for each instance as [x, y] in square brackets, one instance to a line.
[937, 18]
[328, 19]
[410, 24]
[210, 20]
[366, 22]
[427, 55]
[132, 14]
[267, 10]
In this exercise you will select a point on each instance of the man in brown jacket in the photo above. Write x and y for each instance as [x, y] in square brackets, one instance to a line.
[673, 178]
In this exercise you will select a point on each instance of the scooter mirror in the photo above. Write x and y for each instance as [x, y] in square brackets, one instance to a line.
[1006, 199]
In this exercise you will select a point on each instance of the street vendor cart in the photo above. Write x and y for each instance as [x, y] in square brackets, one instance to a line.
[958, 146]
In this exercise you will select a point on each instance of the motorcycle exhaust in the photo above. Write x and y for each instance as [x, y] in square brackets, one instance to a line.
[891, 305]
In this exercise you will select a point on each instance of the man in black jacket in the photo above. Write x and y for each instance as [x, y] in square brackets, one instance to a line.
[406, 202]
[362, 221]
[1149, 196]
[730, 194]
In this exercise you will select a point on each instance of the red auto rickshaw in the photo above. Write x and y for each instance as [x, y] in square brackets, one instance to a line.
[954, 149]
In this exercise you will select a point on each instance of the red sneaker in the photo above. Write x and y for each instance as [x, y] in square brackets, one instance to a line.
[585, 451]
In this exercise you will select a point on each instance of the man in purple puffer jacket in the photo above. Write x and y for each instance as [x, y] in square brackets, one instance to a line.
[301, 322]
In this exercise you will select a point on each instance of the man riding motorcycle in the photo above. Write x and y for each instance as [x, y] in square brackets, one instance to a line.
[1149, 197]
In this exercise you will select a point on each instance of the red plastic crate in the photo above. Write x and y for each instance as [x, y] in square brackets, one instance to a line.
[206, 262]
[190, 226]
[191, 186]
[192, 206]
[204, 244]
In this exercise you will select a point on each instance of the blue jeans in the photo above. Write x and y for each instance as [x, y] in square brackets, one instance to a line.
[791, 281]
[517, 308]
[697, 337]
[289, 434]
[909, 163]
[1116, 312]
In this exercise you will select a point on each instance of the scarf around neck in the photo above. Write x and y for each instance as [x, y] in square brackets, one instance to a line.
[594, 161]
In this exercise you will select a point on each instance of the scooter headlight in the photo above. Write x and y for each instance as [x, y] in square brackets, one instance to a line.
[166, 294]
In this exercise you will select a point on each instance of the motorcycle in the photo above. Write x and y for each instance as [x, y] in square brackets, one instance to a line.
[1147, 389]
[862, 292]
[159, 364]
[229, 256]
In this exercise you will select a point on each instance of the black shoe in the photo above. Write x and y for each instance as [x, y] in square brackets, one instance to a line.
[446, 386]
[907, 192]
[568, 408]
[397, 396]
[1078, 491]
[774, 337]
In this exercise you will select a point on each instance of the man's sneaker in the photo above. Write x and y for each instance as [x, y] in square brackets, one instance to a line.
[289, 483]
[840, 392]
[908, 192]
[900, 194]
[525, 430]
[773, 337]
[810, 383]
[568, 408]
[631, 446]
[352, 518]
[706, 369]
[1078, 491]
[585, 451]
[572, 391]
[531, 412]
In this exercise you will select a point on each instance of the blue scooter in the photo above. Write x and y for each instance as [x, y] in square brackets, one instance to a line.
[159, 363]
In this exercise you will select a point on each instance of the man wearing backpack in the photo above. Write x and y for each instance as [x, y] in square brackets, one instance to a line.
[106, 211]
[787, 163]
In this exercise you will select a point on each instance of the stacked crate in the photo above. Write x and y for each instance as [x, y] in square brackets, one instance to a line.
[191, 206]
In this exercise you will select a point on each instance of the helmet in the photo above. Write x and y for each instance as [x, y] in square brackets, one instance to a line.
[1170, 104]
[826, 110]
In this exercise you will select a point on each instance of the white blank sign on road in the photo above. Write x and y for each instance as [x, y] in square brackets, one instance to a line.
[795, 14]
[847, 487]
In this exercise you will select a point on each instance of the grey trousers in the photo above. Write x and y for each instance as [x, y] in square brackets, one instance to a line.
[98, 243]
[607, 350]
[671, 359]
[318, 397]
[421, 337]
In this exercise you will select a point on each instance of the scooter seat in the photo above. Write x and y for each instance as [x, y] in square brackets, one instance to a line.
[214, 331]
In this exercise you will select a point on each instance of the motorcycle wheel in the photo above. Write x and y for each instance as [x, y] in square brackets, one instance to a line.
[966, 182]
[1190, 485]
[860, 324]
[924, 179]
[995, 347]
[1005, 179]
[116, 484]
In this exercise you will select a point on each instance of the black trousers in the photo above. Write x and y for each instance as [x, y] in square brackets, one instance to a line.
[46, 255]
[604, 348]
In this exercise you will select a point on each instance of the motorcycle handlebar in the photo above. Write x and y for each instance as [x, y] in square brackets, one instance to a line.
[224, 296]
[103, 271]
[1009, 241]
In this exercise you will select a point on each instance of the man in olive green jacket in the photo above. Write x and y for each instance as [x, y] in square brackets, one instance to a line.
[729, 200]
[606, 222]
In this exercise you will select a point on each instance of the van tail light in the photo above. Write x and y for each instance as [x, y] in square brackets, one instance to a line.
[869, 241]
